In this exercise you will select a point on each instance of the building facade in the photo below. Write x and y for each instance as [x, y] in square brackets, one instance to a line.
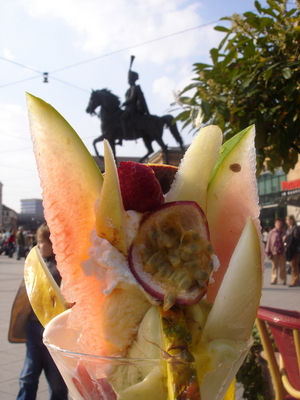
[279, 195]
[32, 206]
[9, 219]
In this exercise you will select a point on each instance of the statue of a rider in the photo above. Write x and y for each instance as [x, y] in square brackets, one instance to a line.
[135, 105]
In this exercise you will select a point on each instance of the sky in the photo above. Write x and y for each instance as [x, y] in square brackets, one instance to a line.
[85, 45]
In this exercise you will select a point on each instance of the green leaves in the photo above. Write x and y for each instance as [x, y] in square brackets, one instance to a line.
[254, 78]
[287, 73]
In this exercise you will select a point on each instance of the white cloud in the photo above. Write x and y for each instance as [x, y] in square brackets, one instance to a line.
[113, 25]
[164, 87]
[7, 54]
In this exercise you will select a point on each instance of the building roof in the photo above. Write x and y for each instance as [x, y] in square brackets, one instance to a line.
[5, 208]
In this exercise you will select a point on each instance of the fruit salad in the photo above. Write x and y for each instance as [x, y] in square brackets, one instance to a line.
[159, 264]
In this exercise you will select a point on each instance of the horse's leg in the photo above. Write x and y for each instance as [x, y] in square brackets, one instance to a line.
[171, 124]
[113, 146]
[148, 144]
[164, 149]
[154, 131]
[97, 140]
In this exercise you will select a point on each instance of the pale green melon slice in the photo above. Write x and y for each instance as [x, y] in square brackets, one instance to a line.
[234, 311]
[196, 166]
[110, 212]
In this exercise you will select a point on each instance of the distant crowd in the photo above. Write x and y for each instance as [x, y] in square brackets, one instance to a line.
[282, 245]
[17, 241]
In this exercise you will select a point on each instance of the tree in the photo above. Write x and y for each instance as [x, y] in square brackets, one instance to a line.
[254, 78]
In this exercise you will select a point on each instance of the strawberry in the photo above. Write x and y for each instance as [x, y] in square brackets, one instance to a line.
[140, 189]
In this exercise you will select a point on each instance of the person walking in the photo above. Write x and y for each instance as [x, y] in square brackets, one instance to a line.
[275, 252]
[11, 243]
[294, 230]
[20, 239]
[25, 327]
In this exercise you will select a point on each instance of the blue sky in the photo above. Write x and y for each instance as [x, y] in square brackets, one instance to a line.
[84, 45]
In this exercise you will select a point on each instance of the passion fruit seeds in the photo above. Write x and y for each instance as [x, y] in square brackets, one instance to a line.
[171, 255]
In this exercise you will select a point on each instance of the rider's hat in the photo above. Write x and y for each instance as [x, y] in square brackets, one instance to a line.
[132, 74]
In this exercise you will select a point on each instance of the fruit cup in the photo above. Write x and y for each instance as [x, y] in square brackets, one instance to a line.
[153, 313]
[90, 377]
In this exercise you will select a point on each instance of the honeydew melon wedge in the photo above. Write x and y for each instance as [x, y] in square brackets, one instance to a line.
[71, 183]
[196, 166]
[110, 211]
[231, 199]
[234, 310]
[43, 292]
[224, 341]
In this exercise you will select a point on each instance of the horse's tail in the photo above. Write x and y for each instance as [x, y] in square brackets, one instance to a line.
[171, 124]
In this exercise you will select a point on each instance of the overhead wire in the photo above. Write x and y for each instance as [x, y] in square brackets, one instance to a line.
[101, 56]
[20, 65]
[22, 80]
[132, 47]
[95, 58]
[70, 84]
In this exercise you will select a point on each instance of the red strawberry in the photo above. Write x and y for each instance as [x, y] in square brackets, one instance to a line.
[140, 189]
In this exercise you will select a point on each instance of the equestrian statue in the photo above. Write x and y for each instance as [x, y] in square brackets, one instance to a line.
[133, 122]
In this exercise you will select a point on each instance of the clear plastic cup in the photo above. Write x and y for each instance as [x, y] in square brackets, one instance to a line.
[92, 377]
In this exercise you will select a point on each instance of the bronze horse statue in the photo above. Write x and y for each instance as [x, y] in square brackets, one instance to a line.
[147, 127]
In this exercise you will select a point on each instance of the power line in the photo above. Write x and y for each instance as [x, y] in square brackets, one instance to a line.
[23, 80]
[70, 84]
[95, 58]
[20, 65]
[133, 47]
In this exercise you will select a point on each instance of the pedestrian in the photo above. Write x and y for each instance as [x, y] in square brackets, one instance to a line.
[265, 235]
[294, 231]
[11, 243]
[275, 252]
[20, 240]
[25, 326]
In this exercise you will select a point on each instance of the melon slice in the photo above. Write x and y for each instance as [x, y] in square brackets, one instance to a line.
[226, 321]
[43, 292]
[231, 199]
[71, 183]
[110, 211]
[196, 166]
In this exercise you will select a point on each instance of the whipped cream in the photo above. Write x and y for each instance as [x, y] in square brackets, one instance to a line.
[106, 263]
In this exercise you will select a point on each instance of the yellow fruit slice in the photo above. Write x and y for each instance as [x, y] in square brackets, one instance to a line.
[182, 374]
[43, 292]
[110, 211]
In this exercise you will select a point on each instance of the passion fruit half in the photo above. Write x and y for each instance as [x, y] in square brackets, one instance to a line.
[171, 254]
